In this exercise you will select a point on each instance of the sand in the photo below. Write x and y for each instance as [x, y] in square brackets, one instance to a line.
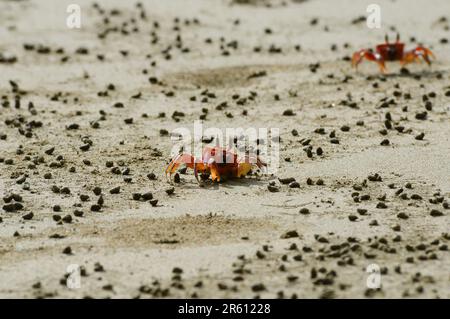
[228, 239]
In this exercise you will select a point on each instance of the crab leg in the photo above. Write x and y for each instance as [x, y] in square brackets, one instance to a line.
[187, 159]
[245, 164]
[369, 55]
[171, 164]
[198, 167]
[260, 163]
[416, 53]
[253, 160]
[214, 169]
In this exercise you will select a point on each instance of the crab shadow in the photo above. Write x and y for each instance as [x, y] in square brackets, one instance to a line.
[229, 183]
[412, 75]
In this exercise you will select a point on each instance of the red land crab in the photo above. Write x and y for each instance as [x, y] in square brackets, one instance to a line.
[217, 162]
[392, 52]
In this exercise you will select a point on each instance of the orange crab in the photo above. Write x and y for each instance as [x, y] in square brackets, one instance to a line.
[217, 162]
[392, 52]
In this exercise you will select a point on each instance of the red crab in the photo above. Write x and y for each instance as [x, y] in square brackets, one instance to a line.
[392, 52]
[217, 162]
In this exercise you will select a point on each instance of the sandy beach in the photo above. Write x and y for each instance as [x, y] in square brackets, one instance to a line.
[85, 118]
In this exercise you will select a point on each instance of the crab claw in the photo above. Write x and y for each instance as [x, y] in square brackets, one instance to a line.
[187, 159]
[369, 55]
[415, 54]
[199, 167]
[246, 163]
